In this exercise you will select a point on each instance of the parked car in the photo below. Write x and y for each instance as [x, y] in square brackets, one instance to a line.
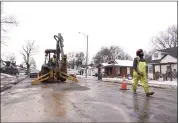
[34, 73]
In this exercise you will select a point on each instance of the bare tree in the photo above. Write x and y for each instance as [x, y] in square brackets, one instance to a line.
[71, 58]
[5, 22]
[80, 58]
[116, 52]
[32, 63]
[110, 53]
[105, 53]
[125, 56]
[11, 57]
[98, 58]
[166, 39]
[28, 50]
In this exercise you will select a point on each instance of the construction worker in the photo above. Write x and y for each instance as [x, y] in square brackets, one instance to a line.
[53, 61]
[140, 73]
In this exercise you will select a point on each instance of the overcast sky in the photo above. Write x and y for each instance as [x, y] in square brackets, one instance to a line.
[130, 25]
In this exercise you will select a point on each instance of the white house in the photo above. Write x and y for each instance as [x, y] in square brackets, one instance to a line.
[91, 71]
[163, 61]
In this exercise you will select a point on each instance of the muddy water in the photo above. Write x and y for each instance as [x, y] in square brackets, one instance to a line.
[87, 101]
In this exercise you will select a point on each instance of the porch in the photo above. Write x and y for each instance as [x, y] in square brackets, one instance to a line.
[117, 71]
[163, 71]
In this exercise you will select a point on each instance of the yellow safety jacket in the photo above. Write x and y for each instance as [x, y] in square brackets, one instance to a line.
[54, 60]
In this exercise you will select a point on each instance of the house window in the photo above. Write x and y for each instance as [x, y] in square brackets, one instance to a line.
[150, 69]
[168, 68]
[156, 55]
[174, 70]
[118, 70]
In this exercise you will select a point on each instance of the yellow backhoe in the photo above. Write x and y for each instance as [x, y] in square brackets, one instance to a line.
[57, 72]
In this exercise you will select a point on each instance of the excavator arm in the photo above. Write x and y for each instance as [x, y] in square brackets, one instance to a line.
[60, 72]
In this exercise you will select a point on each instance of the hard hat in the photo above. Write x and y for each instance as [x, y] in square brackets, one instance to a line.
[139, 52]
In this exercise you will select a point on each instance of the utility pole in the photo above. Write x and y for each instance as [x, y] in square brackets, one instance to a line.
[87, 56]
[86, 52]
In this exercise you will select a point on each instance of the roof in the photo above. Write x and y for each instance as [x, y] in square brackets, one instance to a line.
[149, 60]
[125, 63]
[102, 64]
[93, 65]
[171, 51]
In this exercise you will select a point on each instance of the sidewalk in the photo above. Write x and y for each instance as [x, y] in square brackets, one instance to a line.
[84, 76]
[152, 83]
[7, 81]
[4, 76]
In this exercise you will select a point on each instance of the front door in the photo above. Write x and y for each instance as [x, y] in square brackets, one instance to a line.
[123, 71]
[168, 71]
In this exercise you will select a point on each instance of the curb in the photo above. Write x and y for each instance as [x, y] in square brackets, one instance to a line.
[9, 85]
[84, 78]
[17, 81]
[6, 87]
[155, 86]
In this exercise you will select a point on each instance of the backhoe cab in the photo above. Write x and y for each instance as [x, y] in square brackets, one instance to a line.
[54, 71]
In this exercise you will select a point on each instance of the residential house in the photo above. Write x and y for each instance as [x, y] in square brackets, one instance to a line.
[92, 70]
[117, 68]
[163, 64]
[101, 67]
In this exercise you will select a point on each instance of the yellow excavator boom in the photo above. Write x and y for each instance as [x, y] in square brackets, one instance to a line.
[68, 77]
[40, 79]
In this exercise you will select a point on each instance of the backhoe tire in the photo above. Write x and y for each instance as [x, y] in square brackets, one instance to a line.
[60, 78]
[44, 71]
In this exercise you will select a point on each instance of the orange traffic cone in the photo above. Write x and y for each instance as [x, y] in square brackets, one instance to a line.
[124, 85]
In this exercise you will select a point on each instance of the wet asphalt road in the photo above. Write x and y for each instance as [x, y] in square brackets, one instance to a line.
[87, 101]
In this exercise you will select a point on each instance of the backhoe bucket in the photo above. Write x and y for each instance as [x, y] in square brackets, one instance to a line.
[68, 77]
[40, 79]
[46, 77]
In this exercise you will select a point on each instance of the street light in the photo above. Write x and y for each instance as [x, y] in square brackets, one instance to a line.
[86, 52]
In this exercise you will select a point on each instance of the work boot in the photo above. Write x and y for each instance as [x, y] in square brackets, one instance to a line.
[149, 93]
